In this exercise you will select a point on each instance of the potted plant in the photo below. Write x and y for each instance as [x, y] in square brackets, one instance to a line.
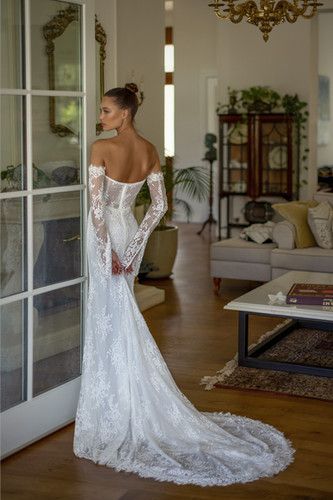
[161, 248]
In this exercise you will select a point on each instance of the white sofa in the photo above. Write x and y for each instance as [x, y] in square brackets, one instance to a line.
[240, 259]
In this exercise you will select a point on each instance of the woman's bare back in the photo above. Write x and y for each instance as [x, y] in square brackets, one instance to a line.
[128, 159]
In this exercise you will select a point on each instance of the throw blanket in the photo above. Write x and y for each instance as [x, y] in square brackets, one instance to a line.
[258, 232]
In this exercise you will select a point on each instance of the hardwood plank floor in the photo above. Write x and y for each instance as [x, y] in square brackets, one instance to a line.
[196, 337]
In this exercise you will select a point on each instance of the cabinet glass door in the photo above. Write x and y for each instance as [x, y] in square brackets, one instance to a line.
[43, 204]
[234, 150]
[275, 156]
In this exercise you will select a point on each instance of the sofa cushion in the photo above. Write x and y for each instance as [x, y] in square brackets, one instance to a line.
[284, 235]
[296, 213]
[303, 259]
[320, 219]
[236, 249]
[321, 196]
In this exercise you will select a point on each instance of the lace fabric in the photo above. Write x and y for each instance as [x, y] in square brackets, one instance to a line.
[131, 415]
[155, 212]
[97, 196]
[102, 240]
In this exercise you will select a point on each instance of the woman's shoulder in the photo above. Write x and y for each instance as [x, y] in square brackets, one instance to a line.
[117, 140]
[112, 147]
[100, 144]
[151, 148]
[148, 143]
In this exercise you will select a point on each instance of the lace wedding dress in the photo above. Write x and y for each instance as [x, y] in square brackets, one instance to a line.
[131, 415]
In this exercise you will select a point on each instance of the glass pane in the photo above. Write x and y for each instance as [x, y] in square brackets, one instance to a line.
[274, 157]
[235, 158]
[169, 120]
[12, 354]
[12, 246]
[169, 65]
[56, 128]
[57, 238]
[56, 45]
[12, 44]
[12, 143]
[57, 320]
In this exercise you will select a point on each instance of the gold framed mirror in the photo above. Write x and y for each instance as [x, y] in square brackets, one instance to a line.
[63, 49]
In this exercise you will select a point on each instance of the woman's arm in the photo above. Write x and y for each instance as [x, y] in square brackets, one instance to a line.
[155, 212]
[106, 257]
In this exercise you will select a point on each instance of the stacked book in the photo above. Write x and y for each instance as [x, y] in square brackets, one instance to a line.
[310, 294]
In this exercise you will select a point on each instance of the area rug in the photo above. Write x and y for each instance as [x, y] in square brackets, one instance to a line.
[303, 345]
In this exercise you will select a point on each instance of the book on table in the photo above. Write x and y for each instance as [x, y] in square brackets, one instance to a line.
[312, 294]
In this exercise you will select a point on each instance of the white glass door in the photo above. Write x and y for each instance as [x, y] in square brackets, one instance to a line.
[44, 130]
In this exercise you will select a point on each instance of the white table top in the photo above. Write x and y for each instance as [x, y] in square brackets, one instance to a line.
[257, 300]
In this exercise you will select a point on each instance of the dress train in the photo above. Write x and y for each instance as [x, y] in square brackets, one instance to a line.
[131, 415]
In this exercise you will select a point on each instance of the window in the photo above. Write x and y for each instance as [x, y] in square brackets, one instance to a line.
[169, 94]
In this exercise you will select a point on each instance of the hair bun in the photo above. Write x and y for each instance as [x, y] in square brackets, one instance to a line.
[132, 86]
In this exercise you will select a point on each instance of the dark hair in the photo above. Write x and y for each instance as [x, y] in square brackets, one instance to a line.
[125, 97]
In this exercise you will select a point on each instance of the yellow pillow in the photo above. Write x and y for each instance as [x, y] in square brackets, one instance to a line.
[296, 212]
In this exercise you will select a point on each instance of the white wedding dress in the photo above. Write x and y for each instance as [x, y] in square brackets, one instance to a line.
[131, 415]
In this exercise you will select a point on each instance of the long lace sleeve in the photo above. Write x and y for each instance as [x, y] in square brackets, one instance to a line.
[155, 212]
[101, 237]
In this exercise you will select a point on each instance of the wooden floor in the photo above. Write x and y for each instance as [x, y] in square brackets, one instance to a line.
[196, 336]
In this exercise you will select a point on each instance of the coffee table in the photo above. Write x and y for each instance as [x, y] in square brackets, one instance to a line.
[257, 302]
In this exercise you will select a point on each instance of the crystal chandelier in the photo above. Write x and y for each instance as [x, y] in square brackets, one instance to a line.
[268, 14]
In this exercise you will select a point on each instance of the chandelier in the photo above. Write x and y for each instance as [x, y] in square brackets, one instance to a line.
[268, 14]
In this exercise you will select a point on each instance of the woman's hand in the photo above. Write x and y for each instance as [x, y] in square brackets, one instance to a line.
[117, 267]
[128, 269]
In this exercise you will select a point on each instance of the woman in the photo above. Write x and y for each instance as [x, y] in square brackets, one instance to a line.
[131, 415]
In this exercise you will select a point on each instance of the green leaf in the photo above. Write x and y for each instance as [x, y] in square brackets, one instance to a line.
[193, 181]
[185, 206]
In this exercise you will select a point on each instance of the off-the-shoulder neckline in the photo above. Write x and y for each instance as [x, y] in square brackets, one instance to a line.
[120, 182]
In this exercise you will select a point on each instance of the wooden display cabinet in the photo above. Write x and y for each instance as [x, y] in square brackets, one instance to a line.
[258, 157]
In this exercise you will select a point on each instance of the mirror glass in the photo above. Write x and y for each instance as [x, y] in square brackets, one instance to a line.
[56, 145]
[56, 38]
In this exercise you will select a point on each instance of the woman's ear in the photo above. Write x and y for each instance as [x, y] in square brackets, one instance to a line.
[126, 114]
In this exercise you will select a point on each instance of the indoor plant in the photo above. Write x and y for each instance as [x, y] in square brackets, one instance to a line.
[161, 248]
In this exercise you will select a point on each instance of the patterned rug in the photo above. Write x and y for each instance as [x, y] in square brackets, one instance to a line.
[302, 345]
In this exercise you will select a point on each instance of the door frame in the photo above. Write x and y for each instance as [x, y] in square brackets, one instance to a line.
[43, 414]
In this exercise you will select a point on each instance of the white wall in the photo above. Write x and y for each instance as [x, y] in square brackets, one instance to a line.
[238, 55]
[325, 67]
[140, 48]
[106, 11]
[135, 51]
[244, 59]
[195, 60]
